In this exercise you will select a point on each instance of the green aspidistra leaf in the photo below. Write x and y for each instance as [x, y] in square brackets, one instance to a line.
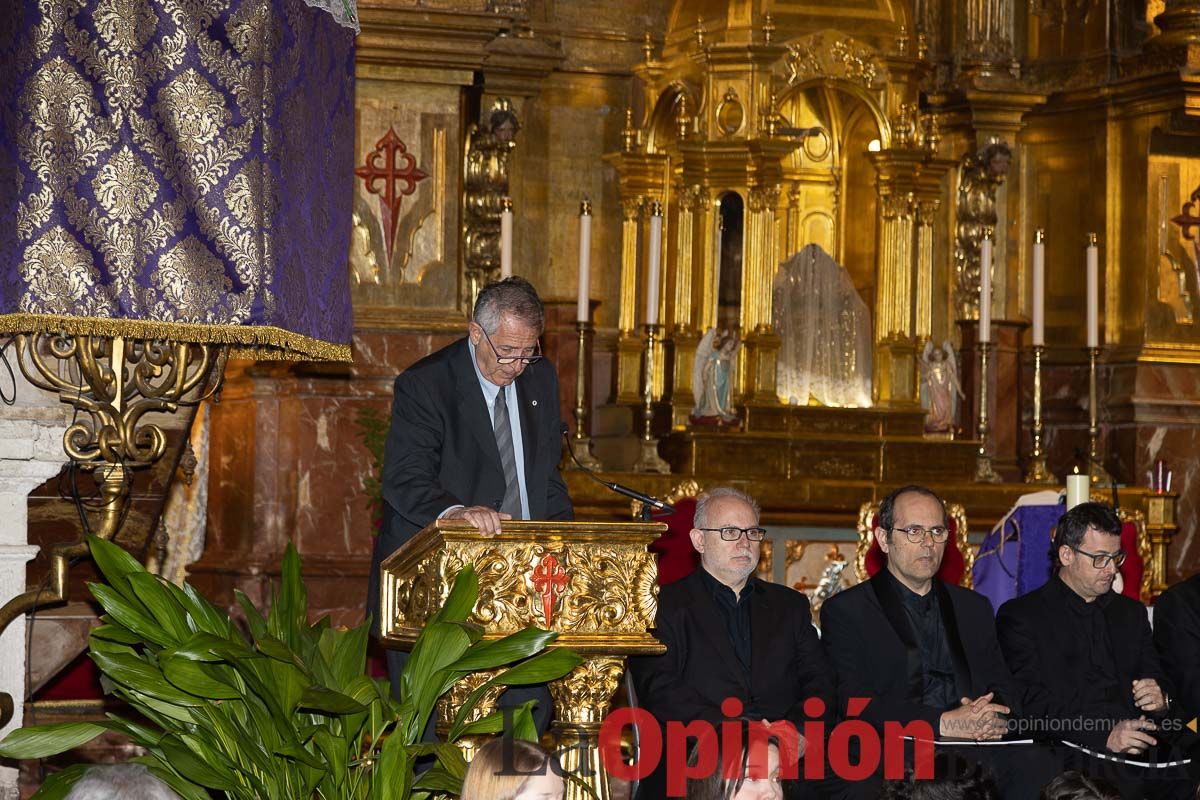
[48, 740]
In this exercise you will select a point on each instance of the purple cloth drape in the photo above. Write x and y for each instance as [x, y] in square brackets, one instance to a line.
[1015, 557]
[180, 171]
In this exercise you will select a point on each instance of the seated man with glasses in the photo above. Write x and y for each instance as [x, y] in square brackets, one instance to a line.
[730, 635]
[1086, 660]
[922, 650]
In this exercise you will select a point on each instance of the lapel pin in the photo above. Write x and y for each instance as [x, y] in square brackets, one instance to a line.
[535, 402]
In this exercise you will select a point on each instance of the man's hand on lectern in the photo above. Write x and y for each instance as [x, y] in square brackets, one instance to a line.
[486, 520]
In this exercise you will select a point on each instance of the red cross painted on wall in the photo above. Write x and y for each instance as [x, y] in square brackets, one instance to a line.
[549, 580]
[390, 171]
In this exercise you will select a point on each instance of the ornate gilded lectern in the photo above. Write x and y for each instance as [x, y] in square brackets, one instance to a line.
[594, 583]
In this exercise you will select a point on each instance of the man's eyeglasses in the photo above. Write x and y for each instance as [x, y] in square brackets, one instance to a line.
[530, 359]
[732, 534]
[1100, 560]
[916, 533]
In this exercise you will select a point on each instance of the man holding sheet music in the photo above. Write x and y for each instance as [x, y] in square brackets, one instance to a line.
[1089, 670]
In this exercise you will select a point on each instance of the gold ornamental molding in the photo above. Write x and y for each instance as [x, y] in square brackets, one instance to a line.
[593, 583]
[830, 55]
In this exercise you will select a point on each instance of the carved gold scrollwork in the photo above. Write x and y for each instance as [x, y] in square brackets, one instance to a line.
[613, 590]
[980, 175]
[449, 704]
[585, 694]
[843, 58]
[485, 185]
[763, 198]
[631, 208]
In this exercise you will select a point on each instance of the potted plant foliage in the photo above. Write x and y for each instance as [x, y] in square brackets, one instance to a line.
[285, 711]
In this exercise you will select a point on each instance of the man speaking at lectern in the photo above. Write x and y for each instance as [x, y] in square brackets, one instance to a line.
[475, 434]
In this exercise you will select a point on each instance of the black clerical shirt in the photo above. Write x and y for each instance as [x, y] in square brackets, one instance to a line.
[937, 667]
[735, 612]
[1089, 638]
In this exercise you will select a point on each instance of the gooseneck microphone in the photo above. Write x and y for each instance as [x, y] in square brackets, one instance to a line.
[633, 494]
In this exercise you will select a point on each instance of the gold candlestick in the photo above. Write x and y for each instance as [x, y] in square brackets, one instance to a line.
[649, 460]
[581, 442]
[1096, 471]
[1038, 473]
[983, 460]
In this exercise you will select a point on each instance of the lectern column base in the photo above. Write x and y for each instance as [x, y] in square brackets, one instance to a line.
[581, 702]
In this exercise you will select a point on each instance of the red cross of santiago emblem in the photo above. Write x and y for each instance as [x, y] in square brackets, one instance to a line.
[549, 581]
[391, 172]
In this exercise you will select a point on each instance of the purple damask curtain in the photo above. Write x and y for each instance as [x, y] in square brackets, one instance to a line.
[178, 169]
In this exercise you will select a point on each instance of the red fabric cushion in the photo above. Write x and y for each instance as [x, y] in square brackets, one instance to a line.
[676, 556]
[1133, 568]
[953, 565]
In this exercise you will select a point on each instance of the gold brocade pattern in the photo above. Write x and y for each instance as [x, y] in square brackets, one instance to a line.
[59, 271]
[168, 173]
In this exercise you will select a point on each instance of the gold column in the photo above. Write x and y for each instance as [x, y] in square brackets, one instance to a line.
[629, 343]
[681, 344]
[708, 234]
[926, 212]
[1161, 528]
[758, 272]
[581, 702]
[895, 350]
[760, 264]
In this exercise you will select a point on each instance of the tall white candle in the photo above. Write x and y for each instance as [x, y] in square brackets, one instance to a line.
[985, 288]
[1077, 490]
[583, 312]
[654, 271]
[1039, 288]
[1093, 293]
[506, 238]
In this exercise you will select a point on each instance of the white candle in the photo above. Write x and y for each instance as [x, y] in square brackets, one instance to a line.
[506, 239]
[652, 279]
[985, 288]
[583, 312]
[1077, 490]
[1039, 288]
[1093, 293]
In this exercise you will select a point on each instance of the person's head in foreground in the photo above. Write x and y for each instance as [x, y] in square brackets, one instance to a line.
[1073, 785]
[755, 777]
[120, 782]
[954, 778]
[513, 769]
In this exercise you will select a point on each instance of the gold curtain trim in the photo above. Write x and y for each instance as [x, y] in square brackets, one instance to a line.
[264, 342]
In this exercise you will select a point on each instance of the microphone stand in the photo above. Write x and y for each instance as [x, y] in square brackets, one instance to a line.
[649, 503]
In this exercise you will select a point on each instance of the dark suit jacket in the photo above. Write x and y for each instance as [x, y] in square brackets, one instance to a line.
[699, 669]
[1177, 636]
[1049, 668]
[441, 450]
[874, 653]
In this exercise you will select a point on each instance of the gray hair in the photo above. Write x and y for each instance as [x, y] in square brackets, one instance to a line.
[700, 517]
[511, 297]
[120, 782]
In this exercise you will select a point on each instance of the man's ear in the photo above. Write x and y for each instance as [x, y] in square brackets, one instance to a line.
[1065, 555]
[697, 537]
[881, 537]
[474, 331]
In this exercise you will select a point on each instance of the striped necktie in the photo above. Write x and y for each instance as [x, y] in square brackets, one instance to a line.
[508, 457]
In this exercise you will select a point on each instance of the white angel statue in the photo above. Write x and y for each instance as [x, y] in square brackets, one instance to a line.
[711, 375]
[940, 389]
